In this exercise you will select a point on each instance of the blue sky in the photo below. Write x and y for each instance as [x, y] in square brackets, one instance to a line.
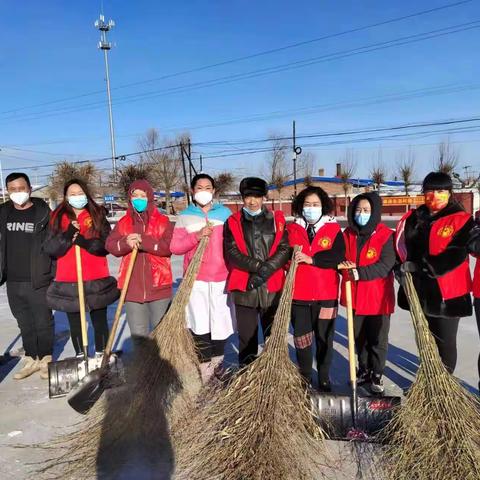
[49, 53]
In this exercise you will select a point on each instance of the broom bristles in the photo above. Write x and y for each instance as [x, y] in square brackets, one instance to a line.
[435, 434]
[261, 426]
[162, 383]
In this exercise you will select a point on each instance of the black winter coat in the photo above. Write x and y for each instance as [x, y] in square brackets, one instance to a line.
[417, 234]
[63, 296]
[42, 265]
[259, 234]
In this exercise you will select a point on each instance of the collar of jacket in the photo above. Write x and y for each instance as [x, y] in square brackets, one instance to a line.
[424, 213]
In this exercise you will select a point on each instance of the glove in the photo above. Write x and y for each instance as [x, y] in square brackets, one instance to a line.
[410, 267]
[254, 282]
[265, 271]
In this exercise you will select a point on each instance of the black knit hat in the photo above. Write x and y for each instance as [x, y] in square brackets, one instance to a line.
[437, 181]
[253, 187]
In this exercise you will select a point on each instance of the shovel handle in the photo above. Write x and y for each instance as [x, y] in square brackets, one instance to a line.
[118, 311]
[351, 337]
[81, 298]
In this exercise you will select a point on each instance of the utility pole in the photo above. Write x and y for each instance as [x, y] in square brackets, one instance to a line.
[296, 151]
[1, 179]
[182, 152]
[201, 164]
[105, 45]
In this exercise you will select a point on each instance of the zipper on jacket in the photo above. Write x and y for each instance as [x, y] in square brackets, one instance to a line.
[143, 269]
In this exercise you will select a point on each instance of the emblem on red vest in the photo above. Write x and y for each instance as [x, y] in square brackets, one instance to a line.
[88, 222]
[325, 242]
[371, 253]
[446, 231]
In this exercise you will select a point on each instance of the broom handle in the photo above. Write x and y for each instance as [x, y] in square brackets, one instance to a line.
[351, 336]
[81, 301]
[118, 312]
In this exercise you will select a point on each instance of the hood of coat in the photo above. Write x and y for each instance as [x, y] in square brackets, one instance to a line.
[375, 218]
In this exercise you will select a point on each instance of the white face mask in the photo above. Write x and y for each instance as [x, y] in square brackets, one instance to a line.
[203, 197]
[20, 198]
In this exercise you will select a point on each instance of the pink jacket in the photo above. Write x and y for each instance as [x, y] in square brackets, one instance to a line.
[185, 242]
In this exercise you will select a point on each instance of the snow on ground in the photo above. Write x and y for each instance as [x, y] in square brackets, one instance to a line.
[28, 416]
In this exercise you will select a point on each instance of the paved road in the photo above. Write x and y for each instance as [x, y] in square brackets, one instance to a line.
[28, 416]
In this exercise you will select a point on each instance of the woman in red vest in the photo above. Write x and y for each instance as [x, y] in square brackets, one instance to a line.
[150, 289]
[315, 294]
[431, 243]
[256, 250]
[78, 220]
[370, 254]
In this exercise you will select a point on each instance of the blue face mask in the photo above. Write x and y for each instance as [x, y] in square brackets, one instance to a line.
[362, 218]
[312, 214]
[139, 204]
[252, 213]
[78, 201]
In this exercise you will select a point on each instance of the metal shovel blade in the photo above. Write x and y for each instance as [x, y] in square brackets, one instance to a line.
[63, 375]
[91, 387]
[335, 413]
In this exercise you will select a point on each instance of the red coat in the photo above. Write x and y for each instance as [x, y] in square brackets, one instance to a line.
[313, 283]
[370, 297]
[457, 282]
[152, 274]
[238, 279]
[94, 267]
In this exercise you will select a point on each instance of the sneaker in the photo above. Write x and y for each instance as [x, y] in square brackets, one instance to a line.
[30, 366]
[44, 366]
[377, 384]
[363, 376]
[325, 386]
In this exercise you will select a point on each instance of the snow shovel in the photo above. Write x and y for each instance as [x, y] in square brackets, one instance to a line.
[65, 374]
[350, 417]
[90, 388]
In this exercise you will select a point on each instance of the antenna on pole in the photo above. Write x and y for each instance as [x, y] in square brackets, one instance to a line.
[105, 45]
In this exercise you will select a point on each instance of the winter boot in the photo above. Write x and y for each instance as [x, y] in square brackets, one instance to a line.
[30, 366]
[377, 384]
[218, 368]
[44, 366]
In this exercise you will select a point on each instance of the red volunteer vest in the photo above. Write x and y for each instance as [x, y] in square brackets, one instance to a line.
[238, 279]
[313, 283]
[370, 297]
[457, 282]
[161, 268]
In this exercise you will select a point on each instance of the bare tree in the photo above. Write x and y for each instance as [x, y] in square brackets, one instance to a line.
[133, 172]
[223, 183]
[164, 160]
[277, 170]
[65, 171]
[406, 169]
[306, 166]
[348, 167]
[447, 158]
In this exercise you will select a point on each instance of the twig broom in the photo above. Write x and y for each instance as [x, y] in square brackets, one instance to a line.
[435, 434]
[161, 385]
[261, 426]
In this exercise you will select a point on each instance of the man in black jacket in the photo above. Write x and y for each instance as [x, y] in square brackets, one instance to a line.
[256, 249]
[27, 272]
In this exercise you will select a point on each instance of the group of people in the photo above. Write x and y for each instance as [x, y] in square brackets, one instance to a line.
[242, 272]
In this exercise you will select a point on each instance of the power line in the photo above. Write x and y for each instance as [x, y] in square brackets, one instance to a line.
[260, 72]
[233, 143]
[247, 57]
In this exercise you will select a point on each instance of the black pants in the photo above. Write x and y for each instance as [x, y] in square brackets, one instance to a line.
[445, 332]
[247, 325]
[371, 341]
[34, 318]
[208, 348]
[100, 328]
[307, 324]
[476, 303]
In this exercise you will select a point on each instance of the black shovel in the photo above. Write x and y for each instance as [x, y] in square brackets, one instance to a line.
[350, 417]
[90, 388]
